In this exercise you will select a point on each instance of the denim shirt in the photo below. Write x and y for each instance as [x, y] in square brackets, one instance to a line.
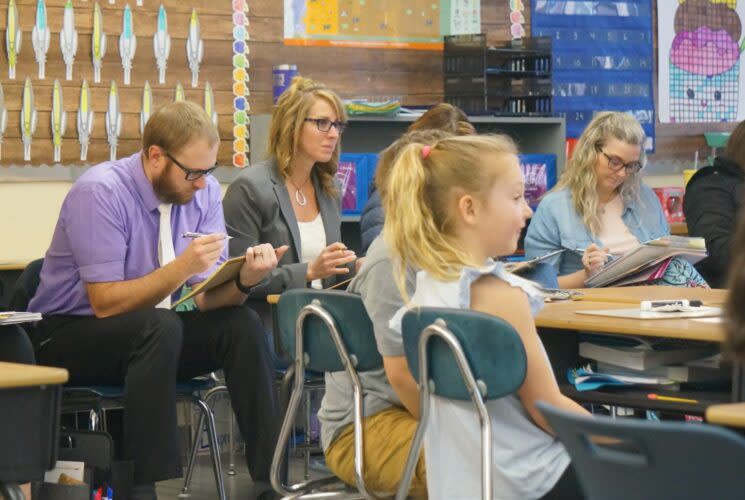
[557, 225]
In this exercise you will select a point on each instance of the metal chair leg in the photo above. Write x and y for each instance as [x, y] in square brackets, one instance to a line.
[231, 443]
[192, 457]
[214, 449]
[306, 452]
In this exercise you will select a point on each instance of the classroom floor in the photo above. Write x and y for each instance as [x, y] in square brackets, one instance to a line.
[238, 486]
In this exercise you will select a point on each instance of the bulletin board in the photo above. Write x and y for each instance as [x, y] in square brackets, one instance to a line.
[396, 24]
[188, 24]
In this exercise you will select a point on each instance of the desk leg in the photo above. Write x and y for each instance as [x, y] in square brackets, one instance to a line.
[738, 382]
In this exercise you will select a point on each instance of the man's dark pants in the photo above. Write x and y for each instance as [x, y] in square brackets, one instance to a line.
[147, 351]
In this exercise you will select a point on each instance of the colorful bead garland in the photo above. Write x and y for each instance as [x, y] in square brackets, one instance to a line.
[240, 83]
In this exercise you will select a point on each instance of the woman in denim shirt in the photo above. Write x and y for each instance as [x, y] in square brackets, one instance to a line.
[600, 205]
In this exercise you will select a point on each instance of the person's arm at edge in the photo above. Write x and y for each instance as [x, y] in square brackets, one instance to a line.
[494, 296]
[714, 222]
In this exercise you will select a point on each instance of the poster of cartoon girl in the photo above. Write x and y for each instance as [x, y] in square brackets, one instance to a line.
[700, 46]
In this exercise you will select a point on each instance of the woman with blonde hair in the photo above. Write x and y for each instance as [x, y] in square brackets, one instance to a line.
[600, 208]
[291, 198]
[451, 226]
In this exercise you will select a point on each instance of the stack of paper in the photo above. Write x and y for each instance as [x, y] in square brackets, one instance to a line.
[12, 317]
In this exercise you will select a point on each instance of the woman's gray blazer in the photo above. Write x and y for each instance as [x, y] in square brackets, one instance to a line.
[258, 210]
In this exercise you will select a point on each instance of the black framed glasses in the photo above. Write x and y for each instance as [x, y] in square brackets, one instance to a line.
[192, 174]
[616, 163]
[324, 124]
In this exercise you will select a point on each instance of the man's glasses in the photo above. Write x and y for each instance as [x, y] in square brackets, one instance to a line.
[191, 173]
[324, 124]
[616, 163]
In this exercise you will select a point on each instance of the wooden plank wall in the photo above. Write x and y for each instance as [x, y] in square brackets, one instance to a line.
[216, 28]
[415, 76]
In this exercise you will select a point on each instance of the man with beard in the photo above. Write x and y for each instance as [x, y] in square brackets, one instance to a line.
[119, 256]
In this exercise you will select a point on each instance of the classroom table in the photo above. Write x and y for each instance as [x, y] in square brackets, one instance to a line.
[29, 423]
[560, 319]
[559, 323]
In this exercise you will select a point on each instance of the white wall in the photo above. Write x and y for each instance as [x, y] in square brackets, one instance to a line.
[28, 214]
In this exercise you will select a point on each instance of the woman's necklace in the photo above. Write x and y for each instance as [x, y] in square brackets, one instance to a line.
[299, 196]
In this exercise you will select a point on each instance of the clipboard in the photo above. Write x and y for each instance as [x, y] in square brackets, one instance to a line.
[227, 271]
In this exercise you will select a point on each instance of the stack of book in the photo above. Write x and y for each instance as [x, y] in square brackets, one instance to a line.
[624, 360]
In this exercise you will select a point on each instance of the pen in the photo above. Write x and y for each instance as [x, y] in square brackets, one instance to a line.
[657, 397]
[189, 234]
[581, 251]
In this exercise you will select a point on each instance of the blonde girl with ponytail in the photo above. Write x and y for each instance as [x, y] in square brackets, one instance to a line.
[450, 208]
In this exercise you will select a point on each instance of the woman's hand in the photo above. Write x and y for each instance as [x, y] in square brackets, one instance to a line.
[594, 259]
[330, 262]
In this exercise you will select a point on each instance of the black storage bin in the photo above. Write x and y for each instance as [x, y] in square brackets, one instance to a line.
[96, 450]
[29, 427]
[512, 78]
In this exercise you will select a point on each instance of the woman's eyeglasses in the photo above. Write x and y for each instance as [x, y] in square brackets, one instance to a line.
[616, 163]
[192, 174]
[324, 124]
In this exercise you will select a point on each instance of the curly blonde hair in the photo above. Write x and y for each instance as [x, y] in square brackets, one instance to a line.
[579, 177]
[288, 119]
[420, 195]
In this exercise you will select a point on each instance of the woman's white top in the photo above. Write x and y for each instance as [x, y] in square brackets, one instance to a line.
[312, 243]
[526, 461]
[613, 231]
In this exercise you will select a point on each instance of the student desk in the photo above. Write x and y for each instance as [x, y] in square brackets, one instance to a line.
[559, 324]
[29, 422]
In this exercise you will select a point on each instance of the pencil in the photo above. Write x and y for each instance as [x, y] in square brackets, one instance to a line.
[671, 399]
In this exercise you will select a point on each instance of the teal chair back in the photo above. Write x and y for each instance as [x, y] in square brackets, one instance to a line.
[648, 459]
[493, 349]
[463, 355]
[351, 319]
[325, 331]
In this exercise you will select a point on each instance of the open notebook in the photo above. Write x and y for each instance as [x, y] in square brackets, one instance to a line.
[647, 255]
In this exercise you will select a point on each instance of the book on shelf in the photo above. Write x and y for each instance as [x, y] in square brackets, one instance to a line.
[646, 255]
[685, 372]
[587, 379]
[640, 354]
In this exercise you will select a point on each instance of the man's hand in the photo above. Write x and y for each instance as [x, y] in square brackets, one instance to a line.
[260, 261]
[202, 253]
